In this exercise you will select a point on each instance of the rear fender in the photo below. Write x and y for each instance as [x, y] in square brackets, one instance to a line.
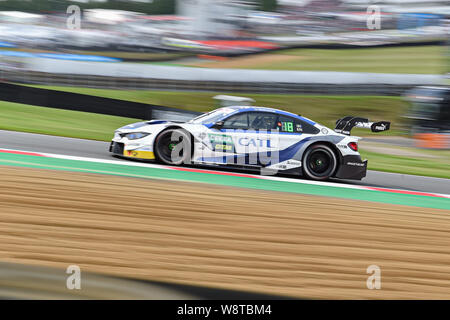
[329, 140]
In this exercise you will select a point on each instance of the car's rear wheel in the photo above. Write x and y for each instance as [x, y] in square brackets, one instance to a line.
[173, 147]
[319, 162]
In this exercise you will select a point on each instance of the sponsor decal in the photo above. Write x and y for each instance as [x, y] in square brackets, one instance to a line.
[221, 142]
[257, 142]
[220, 138]
[356, 164]
[294, 162]
[223, 147]
[139, 154]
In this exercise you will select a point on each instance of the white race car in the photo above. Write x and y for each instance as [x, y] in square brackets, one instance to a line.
[250, 137]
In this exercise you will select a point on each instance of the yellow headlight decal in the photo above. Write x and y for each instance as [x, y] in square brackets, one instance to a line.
[139, 154]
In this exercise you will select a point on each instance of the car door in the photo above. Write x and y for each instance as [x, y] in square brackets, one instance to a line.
[292, 131]
[251, 133]
[220, 145]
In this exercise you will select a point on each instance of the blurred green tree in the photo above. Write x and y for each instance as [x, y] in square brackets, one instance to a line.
[44, 6]
[268, 5]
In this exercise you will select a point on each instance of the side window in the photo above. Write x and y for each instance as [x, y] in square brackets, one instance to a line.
[262, 120]
[292, 125]
[238, 121]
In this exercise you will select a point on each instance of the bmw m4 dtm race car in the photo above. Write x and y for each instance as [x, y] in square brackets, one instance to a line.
[266, 139]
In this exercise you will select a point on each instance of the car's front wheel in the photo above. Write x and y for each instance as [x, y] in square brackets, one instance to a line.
[173, 147]
[319, 162]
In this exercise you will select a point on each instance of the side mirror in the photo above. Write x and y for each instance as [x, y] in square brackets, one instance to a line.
[218, 125]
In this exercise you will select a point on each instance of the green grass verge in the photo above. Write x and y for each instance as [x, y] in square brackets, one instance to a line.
[406, 165]
[26, 118]
[409, 59]
[324, 109]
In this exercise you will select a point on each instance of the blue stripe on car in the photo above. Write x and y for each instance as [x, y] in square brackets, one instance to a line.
[285, 154]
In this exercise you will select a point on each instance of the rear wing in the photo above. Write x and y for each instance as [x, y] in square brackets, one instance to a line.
[346, 124]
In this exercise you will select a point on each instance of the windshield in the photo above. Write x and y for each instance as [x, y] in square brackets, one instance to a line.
[212, 116]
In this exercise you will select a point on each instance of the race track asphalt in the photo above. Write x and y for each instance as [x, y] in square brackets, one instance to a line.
[99, 150]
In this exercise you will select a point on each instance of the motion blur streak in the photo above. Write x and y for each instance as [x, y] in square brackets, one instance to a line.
[241, 239]
[76, 73]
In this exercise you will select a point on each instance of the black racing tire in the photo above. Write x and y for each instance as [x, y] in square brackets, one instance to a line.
[173, 147]
[319, 162]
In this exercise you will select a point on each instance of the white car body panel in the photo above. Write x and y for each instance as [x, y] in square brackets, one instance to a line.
[238, 147]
